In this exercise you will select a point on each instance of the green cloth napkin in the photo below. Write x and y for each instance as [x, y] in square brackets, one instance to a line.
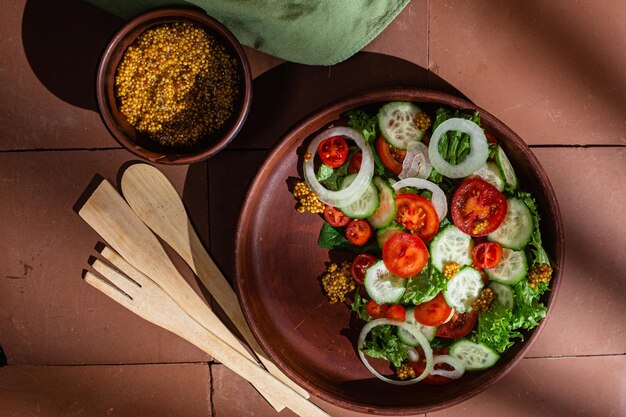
[315, 32]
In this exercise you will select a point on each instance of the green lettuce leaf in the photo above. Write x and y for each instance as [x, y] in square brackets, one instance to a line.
[453, 145]
[359, 306]
[363, 123]
[535, 247]
[424, 286]
[383, 342]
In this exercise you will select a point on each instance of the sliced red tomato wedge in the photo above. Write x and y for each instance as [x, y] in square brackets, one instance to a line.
[418, 215]
[360, 264]
[487, 255]
[335, 217]
[405, 255]
[390, 157]
[396, 312]
[459, 325]
[433, 312]
[376, 311]
[478, 208]
[355, 162]
[333, 151]
[358, 232]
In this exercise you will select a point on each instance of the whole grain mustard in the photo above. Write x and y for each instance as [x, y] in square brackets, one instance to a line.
[177, 84]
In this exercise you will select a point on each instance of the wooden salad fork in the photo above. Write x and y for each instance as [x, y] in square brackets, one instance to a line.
[109, 215]
[157, 203]
[138, 293]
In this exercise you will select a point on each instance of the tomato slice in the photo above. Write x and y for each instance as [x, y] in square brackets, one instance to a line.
[459, 326]
[390, 157]
[478, 208]
[396, 312]
[360, 264]
[335, 217]
[355, 162]
[333, 151]
[433, 312]
[418, 215]
[376, 311]
[405, 255]
[358, 232]
[487, 255]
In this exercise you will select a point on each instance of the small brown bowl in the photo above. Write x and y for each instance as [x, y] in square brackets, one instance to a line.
[118, 125]
[278, 265]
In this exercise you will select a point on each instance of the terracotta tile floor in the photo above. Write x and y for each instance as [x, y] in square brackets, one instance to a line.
[553, 71]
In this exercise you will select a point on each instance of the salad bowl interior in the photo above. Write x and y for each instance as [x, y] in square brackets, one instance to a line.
[279, 264]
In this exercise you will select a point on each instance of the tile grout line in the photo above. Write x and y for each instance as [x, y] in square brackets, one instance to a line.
[70, 365]
[211, 392]
[538, 146]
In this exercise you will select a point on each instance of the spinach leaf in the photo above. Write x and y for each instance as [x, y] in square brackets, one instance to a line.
[324, 172]
[332, 238]
[424, 286]
[383, 342]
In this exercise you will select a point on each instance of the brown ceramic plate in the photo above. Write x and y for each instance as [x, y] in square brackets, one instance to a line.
[278, 265]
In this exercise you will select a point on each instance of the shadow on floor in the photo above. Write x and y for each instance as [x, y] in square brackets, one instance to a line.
[63, 41]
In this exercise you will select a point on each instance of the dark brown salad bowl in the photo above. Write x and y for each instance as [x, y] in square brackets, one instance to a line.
[117, 123]
[278, 266]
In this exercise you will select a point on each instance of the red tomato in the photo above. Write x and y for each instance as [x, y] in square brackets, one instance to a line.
[360, 264]
[405, 255]
[376, 311]
[487, 255]
[390, 157]
[396, 312]
[433, 312]
[418, 215]
[335, 217]
[333, 151]
[478, 208]
[459, 326]
[358, 232]
[355, 163]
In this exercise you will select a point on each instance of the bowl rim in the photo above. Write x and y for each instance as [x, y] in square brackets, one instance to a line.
[195, 15]
[318, 119]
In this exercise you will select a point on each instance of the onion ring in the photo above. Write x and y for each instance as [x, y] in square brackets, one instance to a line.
[354, 191]
[439, 200]
[459, 369]
[416, 162]
[428, 352]
[477, 156]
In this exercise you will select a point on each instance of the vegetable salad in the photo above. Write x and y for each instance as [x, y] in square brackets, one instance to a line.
[448, 264]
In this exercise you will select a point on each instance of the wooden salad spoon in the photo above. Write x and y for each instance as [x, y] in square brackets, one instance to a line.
[157, 203]
[109, 215]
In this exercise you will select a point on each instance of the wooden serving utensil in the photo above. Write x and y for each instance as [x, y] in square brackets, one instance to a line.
[135, 291]
[157, 203]
[109, 215]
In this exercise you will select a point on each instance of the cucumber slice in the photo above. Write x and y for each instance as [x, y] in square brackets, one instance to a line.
[386, 211]
[516, 229]
[512, 268]
[383, 234]
[474, 356]
[463, 289]
[450, 245]
[397, 123]
[491, 173]
[407, 337]
[366, 205]
[382, 286]
[503, 294]
[506, 168]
